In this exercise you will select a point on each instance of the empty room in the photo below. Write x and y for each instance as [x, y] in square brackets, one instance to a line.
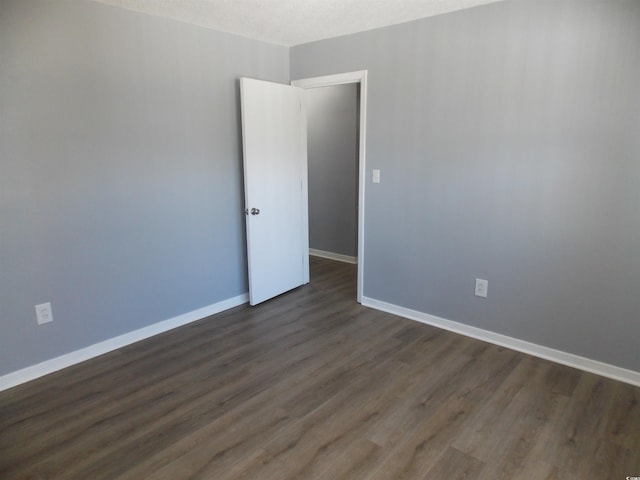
[324, 239]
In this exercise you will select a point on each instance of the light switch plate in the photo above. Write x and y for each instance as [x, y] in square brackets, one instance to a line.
[376, 176]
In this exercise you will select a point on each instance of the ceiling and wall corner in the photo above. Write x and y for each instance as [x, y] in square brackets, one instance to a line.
[295, 22]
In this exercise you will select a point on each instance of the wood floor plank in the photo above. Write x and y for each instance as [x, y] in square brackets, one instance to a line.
[312, 385]
[456, 465]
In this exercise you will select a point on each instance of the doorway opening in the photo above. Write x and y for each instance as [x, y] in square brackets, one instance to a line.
[347, 233]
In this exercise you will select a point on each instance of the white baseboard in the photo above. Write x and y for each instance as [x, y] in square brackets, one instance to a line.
[558, 356]
[49, 366]
[333, 256]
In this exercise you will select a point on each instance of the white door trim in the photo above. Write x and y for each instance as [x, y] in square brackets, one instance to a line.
[339, 79]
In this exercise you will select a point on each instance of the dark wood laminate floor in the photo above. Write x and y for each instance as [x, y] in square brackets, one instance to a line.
[311, 385]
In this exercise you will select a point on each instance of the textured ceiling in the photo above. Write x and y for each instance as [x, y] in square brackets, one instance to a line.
[292, 22]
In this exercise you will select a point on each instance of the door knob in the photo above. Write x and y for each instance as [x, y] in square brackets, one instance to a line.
[255, 211]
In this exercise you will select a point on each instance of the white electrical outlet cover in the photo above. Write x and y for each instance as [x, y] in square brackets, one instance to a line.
[44, 313]
[482, 287]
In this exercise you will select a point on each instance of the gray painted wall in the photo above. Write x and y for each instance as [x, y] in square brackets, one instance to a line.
[332, 146]
[120, 171]
[508, 140]
[507, 135]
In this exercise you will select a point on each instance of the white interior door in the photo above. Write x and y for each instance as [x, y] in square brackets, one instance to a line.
[275, 185]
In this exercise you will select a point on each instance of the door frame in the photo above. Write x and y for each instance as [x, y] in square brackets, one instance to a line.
[359, 77]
